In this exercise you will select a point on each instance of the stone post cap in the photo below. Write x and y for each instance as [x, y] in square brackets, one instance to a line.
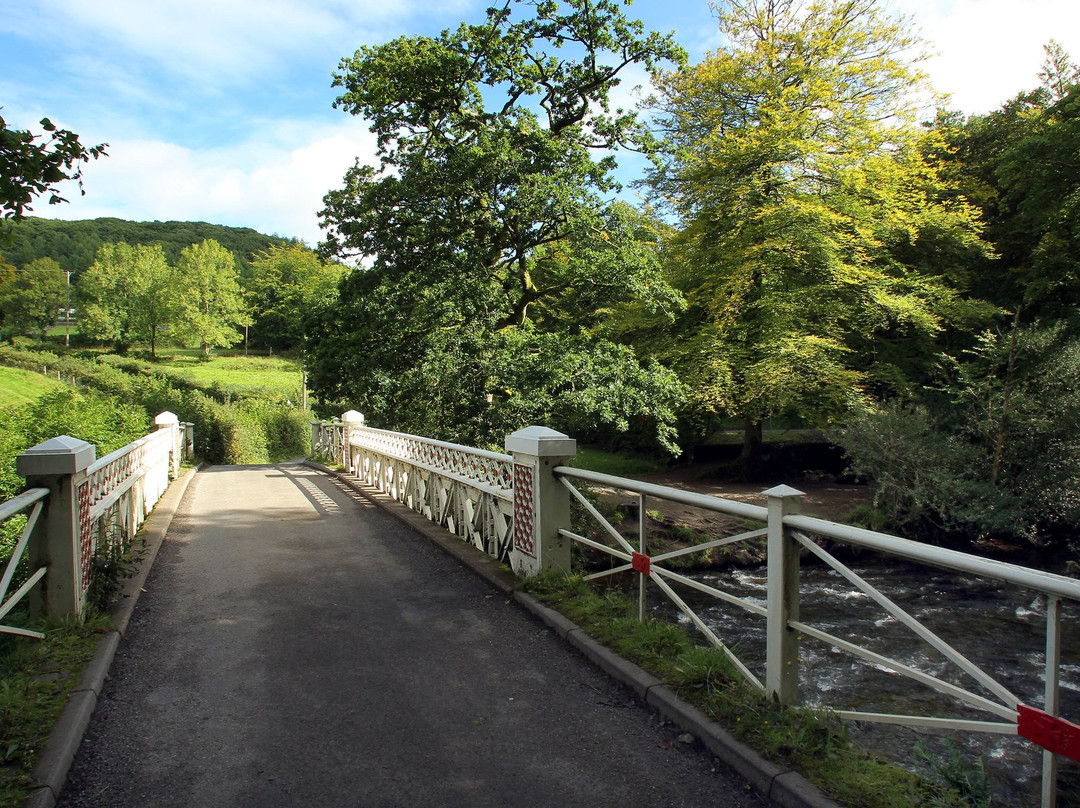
[541, 442]
[783, 491]
[166, 418]
[61, 455]
[352, 417]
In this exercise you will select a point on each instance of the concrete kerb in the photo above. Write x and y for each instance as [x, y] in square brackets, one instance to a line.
[50, 771]
[782, 787]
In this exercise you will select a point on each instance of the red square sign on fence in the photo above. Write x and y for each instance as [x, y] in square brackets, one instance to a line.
[1056, 734]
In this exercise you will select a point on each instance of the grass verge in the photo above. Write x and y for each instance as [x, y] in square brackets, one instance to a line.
[811, 742]
[36, 678]
[18, 386]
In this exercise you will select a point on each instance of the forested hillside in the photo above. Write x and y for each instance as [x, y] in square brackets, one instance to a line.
[73, 245]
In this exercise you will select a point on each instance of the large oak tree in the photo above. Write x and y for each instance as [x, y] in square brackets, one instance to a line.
[815, 241]
[489, 239]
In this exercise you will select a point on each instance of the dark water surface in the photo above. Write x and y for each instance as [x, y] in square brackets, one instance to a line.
[1002, 629]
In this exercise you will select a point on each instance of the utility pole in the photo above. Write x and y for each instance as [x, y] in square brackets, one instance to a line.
[67, 310]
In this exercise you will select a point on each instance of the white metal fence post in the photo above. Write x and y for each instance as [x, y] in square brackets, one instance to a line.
[781, 645]
[58, 464]
[348, 420]
[541, 502]
[169, 420]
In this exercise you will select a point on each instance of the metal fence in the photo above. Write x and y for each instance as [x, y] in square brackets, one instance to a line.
[32, 500]
[79, 508]
[506, 505]
[468, 491]
[788, 535]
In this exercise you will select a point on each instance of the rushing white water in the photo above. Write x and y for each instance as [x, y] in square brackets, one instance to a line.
[1000, 629]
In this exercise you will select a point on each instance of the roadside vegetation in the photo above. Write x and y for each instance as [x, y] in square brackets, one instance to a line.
[36, 678]
[811, 742]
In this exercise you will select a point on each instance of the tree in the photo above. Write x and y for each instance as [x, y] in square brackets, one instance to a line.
[991, 450]
[487, 233]
[129, 294]
[212, 304]
[287, 285]
[1020, 165]
[29, 168]
[30, 297]
[811, 226]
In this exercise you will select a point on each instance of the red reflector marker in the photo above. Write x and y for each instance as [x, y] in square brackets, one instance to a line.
[1056, 734]
[641, 563]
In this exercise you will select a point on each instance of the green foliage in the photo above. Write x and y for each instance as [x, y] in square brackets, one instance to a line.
[211, 304]
[29, 167]
[287, 285]
[74, 245]
[993, 451]
[240, 424]
[36, 678]
[958, 772]
[129, 294]
[1020, 165]
[804, 237]
[492, 254]
[30, 298]
[100, 420]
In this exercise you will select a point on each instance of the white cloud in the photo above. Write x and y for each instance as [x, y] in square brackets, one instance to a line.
[218, 42]
[274, 185]
[990, 50]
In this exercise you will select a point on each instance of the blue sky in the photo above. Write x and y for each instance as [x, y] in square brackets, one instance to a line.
[221, 110]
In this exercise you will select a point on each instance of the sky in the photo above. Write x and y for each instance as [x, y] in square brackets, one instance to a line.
[222, 110]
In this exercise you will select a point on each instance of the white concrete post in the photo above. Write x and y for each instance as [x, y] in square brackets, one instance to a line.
[349, 419]
[189, 439]
[541, 502]
[169, 420]
[58, 464]
[781, 644]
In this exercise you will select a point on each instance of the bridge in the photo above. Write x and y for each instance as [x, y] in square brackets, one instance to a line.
[311, 636]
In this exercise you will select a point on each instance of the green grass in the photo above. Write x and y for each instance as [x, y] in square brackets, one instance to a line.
[615, 464]
[36, 678]
[243, 374]
[19, 387]
[812, 742]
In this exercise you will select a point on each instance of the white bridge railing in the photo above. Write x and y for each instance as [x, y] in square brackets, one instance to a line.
[80, 508]
[468, 491]
[516, 507]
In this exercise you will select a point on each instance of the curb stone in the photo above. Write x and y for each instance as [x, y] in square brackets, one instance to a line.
[781, 787]
[50, 771]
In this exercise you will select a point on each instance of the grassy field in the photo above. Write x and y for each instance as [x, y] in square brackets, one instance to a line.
[252, 374]
[23, 386]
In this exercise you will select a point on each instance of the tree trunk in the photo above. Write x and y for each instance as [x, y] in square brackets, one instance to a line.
[749, 460]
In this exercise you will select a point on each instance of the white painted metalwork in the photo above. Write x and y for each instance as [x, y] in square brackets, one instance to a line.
[799, 531]
[32, 499]
[328, 440]
[468, 491]
[119, 491]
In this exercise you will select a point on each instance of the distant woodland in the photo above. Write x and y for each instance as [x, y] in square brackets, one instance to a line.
[74, 245]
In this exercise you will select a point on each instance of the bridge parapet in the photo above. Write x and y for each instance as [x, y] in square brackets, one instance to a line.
[81, 506]
[517, 508]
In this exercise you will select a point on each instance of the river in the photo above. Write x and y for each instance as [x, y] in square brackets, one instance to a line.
[1001, 629]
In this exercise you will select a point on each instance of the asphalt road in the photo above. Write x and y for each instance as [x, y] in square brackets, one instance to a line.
[297, 646]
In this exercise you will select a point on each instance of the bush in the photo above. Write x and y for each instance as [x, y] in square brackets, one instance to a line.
[992, 451]
[229, 428]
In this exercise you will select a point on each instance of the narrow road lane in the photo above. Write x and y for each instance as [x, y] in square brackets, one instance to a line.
[296, 646]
